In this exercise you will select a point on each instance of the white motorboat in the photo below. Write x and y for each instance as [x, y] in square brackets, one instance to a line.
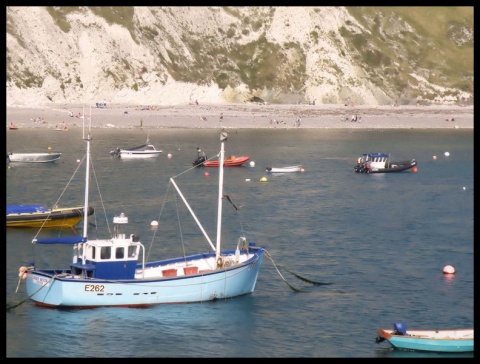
[142, 151]
[146, 150]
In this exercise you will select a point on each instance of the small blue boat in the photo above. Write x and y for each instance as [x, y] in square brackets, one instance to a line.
[445, 341]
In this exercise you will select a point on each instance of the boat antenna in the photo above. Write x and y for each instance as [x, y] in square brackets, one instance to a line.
[223, 137]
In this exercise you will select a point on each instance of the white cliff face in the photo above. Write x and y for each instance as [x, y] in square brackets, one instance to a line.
[177, 55]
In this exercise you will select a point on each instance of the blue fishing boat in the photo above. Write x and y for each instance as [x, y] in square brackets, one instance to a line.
[115, 272]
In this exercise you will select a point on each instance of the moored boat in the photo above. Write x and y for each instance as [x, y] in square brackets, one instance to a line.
[146, 150]
[231, 161]
[37, 216]
[141, 151]
[114, 271]
[288, 169]
[382, 163]
[446, 341]
[33, 157]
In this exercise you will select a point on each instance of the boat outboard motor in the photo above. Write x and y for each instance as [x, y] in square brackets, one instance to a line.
[399, 328]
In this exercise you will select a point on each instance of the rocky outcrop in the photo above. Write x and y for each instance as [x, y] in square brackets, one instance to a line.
[179, 55]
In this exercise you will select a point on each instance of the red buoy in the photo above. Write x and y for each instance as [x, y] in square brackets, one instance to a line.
[414, 169]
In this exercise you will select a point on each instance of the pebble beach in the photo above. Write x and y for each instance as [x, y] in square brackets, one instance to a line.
[236, 116]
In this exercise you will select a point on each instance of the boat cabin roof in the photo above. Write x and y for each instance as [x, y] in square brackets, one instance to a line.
[141, 148]
[376, 155]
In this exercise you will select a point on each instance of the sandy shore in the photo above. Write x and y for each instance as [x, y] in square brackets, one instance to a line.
[237, 116]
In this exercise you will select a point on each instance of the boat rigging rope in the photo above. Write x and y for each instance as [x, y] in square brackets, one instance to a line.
[12, 305]
[276, 266]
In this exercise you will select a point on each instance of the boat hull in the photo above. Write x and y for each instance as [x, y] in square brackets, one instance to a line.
[138, 155]
[140, 152]
[54, 218]
[289, 169]
[49, 288]
[446, 341]
[391, 167]
[230, 162]
[33, 157]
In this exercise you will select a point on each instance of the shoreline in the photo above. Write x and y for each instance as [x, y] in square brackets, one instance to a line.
[245, 116]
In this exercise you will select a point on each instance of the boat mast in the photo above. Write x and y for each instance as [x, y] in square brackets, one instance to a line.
[87, 174]
[223, 137]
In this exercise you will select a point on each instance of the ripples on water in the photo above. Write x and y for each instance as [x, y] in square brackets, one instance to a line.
[381, 242]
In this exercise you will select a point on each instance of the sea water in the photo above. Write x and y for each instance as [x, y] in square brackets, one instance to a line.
[378, 243]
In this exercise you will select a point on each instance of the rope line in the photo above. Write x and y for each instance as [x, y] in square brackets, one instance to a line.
[276, 266]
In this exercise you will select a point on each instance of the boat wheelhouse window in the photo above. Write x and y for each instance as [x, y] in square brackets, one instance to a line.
[120, 253]
[93, 252]
[105, 252]
[132, 251]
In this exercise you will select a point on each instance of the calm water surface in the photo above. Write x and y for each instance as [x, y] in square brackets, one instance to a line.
[381, 241]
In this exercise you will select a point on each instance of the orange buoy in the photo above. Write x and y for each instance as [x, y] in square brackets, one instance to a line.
[22, 273]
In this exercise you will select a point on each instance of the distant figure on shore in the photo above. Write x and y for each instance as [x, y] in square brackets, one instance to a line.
[221, 116]
[196, 102]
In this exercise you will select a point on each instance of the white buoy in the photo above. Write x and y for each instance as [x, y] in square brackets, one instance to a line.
[169, 156]
[252, 164]
[154, 223]
[78, 160]
[464, 188]
[448, 269]
[248, 180]
[447, 154]
[434, 157]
